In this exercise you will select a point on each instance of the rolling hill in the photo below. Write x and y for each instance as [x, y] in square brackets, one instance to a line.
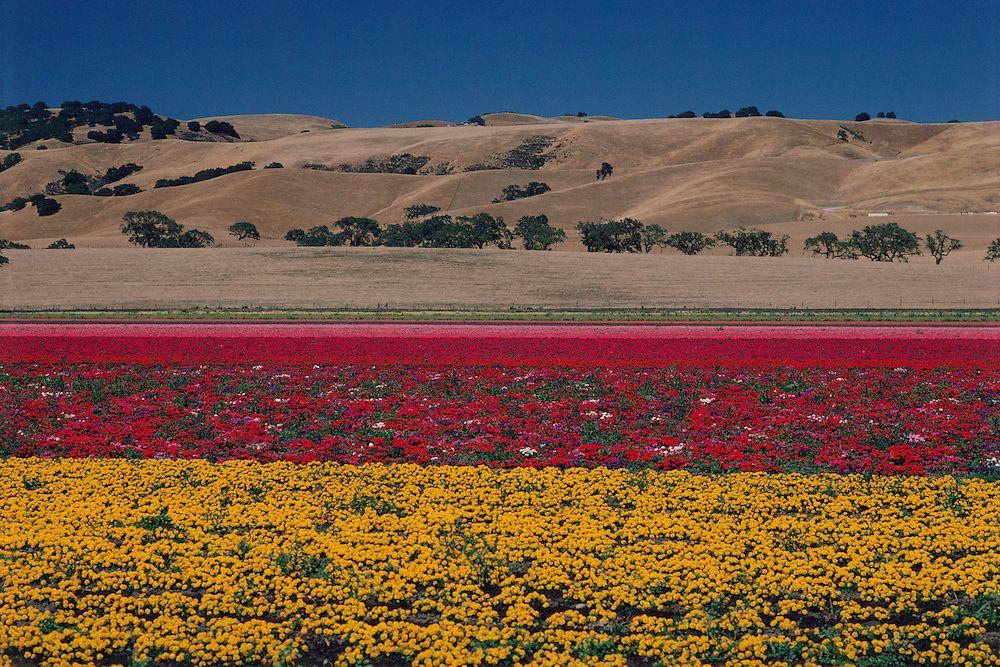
[792, 176]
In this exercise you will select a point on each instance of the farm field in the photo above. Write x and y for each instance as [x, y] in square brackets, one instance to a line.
[290, 279]
[235, 493]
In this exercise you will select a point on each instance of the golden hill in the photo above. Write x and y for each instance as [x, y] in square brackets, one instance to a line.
[792, 176]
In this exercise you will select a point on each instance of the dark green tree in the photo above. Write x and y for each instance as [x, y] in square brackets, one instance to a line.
[940, 244]
[61, 244]
[244, 230]
[887, 242]
[536, 233]
[993, 252]
[689, 243]
[419, 211]
[754, 242]
[486, 230]
[359, 231]
[652, 236]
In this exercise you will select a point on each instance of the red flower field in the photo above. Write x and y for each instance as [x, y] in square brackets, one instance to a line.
[890, 400]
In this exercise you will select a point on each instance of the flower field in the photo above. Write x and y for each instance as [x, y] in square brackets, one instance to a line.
[314, 494]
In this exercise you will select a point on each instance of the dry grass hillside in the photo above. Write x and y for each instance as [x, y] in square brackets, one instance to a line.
[792, 176]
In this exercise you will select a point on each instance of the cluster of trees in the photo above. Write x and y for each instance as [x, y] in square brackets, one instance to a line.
[631, 235]
[221, 127]
[152, 229]
[61, 244]
[425, 230]
[9, 161]
[886, 242]
[43, 205]
[742, 112]
[23, 124]
[863, 116]
[76, 183]
[203, 175]
[512, 192]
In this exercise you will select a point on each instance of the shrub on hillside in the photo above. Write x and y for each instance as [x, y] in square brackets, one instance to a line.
[221, 127]
[862, 117]
[604, 171]
[9, 161]
[203, 175]
[61, 244]
[512, 192]
[685, 114]
[294, 234]
[45, 205]
[274, 165]
[15, 204]
[775, 113]
[118, 173]
[419, 211]
[725, 113]
[745, 112]
[194, 126]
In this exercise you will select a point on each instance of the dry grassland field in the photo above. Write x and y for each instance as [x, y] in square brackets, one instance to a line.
[786, 176]
[306, 278]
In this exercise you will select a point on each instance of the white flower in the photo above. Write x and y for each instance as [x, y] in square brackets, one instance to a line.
[528, 451]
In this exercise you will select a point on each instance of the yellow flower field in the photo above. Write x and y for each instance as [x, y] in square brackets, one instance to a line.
[244, 563]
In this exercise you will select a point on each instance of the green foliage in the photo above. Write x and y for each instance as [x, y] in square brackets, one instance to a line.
[513, 192]
[476, 120]
[61, 244]
[623, 235]
[152, 229]
[652, 236]
[194, 126]
[243, 230]
[15, 204]
[829, 245]
[274, 165]
[204, 175]
[940, 244]
[294, 234]
[221, 127]
[862, 117]
[320, 235]
[754, 242]
[156, 521]
[9, 161]
[482, 229]
[45, 205]
[12, 245]
[745, 112]
[886, 242]
[604, 171]
[419, 211]
[993, 252]
[689, 243]
[358, 231]
[536, 233]
[3, 260]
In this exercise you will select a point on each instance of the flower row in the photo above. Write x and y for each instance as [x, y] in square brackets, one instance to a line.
[528, 344]
[188, 562]
[893, 421]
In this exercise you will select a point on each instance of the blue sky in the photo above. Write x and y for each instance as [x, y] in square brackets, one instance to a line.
[373, 63]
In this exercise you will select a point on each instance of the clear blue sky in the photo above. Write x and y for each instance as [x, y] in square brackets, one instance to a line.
[372, 63]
